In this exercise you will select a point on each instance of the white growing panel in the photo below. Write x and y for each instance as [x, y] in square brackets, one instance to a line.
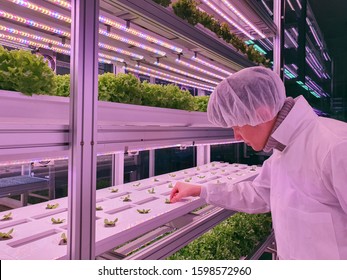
[35, 237]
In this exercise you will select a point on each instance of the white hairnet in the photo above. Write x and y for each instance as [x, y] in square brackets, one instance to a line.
[249, 97]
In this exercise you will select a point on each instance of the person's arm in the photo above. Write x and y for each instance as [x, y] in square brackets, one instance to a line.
[334, 173]
[248, 196]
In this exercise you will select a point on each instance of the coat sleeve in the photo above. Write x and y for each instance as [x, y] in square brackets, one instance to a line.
[334, 173]
[248, 196]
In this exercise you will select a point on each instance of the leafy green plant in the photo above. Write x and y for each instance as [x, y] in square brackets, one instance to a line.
[63, 85]
[6, 235]
[52, 206]
[164, 3]
[143, 211]
[151, 191]
[121, 88]
[63, 240]
[230, 240]
[57, 221]
[110, 223]
[167, 200]
[188, 10]
[7, 217]
[126, 198]
[200, 103]
[25, 72]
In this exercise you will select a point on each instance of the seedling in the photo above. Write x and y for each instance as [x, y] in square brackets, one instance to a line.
[156, 180]
[201, 176]
[143, 211]
[63, 240]
[57, 221]
[239, 174]
[188, 180]
[52, 206]
[213, 164]
[110, 223]
[99, 208]
[7, 217]
[198, 168]
[185, 172]
[137, 184]
[170, 185]
[151, 191]
[6, 235]
[222, 170]
[253, 168]
[236, 165]
[213, 172]
[114, 190]
[230, 178]
[167, 200]
[218, 182]
[172, 175]
[126, 198]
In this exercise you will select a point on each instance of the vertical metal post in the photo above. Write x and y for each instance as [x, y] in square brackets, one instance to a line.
[117, 169]
[201, 92]
[151, 163]
[302, 42]
[203, 154]
[83, 132]
[152, 80]
[119, 69]
[279, 37]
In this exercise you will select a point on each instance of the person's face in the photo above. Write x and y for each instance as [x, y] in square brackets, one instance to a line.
[254, 136]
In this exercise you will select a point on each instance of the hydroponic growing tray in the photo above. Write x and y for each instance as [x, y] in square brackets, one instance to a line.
[34, 235]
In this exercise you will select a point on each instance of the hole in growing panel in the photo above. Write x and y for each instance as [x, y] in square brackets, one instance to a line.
[32, 238]
[49, 213]
[14, 223]
[118, 194]
[146, 200]
[119, 209]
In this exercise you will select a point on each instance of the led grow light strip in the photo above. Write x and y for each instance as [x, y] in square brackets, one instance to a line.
[178, 60]
[124, 28]
[267, 8]
[32, 43]
[305, 87]
[314, 33]
[184, 73]
[326, 56]
[291, 39]
[118, 50]
[218, 11]
[165, 78]
[299, 4]
[290, 5]
[111, 57]
[41, 10]
[33, 23]
[172, 76]
[61, 3]
[66, 19]
[131, 42]
[205, 63]
[31, 36]
[231, 7]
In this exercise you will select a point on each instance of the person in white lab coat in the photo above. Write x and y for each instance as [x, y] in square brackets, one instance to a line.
[303, 183]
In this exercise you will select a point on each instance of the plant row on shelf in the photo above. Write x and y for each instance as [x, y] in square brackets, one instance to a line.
[27, 73]
[189, 11]
[232, 239]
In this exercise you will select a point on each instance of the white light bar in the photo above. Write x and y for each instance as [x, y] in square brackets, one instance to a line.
[228, 19]
[191, 66]
[231, 7]
[153, 71]
[205, 63]
[165, 78]
[167, 67]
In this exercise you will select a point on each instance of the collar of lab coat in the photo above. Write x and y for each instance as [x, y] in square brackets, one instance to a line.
[299, 117]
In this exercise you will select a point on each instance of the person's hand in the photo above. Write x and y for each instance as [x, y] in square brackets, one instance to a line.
[182, 190]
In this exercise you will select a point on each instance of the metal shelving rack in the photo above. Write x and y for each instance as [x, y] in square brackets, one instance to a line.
[82, 127]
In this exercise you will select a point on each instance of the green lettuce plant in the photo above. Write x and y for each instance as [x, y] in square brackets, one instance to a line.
[110, 223]
[63, 85]
[6, 217]
[143, 211]
[6, 235]
[52, 206]
[25, 72]
[57, 221]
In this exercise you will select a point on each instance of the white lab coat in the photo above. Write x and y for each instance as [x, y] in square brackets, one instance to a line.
[304, 186]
